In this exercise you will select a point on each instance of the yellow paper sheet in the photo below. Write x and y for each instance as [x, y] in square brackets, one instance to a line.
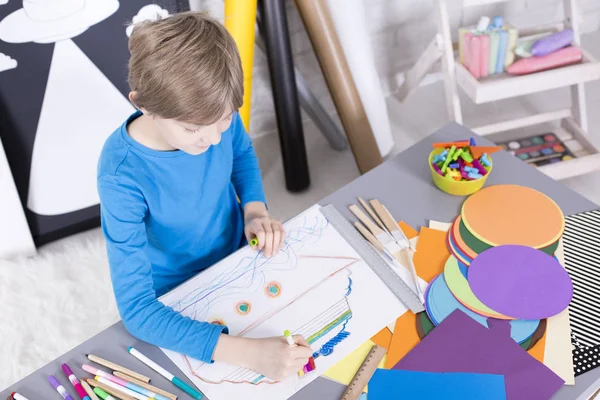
[440, 226]
[558, 356]
[344, 371]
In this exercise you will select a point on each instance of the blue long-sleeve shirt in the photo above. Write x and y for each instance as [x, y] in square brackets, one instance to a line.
[167, 215]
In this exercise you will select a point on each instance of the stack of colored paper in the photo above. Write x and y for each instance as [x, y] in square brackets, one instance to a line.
[482, 357]
[502, 270]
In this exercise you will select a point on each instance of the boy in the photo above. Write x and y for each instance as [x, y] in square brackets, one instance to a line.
[168, 180]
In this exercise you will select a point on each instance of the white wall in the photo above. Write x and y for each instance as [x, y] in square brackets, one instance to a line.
[400, 30]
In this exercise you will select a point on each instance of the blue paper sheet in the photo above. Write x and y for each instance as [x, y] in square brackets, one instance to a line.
[397, 384]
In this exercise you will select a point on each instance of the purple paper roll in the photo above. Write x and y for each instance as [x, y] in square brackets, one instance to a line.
[550, 44]
[520, 282]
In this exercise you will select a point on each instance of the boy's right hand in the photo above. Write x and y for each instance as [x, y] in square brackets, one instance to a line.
[275, 358]
[272, 357]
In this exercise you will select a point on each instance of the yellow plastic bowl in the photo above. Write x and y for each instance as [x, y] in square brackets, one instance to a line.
[456, 188]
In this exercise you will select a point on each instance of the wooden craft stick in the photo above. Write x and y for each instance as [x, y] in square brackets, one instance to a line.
[116, 367]
[369, 236]
[88, 390]
[144, 385]
[109, 390]
[371, 213]
[375, 230]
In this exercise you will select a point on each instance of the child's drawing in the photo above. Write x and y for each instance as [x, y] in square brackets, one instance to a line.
[317, 286]
[69, 134]
[6, 62]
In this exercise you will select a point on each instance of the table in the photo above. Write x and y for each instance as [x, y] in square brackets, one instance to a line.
[404, 185]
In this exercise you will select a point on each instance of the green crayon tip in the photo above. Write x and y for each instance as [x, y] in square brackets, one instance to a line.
[286, 333]
[254, 242]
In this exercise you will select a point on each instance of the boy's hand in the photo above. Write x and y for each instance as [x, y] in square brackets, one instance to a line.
[276, 359]
[267, 230]
[272, 357]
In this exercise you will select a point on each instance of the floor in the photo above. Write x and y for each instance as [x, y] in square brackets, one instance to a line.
[69, 297]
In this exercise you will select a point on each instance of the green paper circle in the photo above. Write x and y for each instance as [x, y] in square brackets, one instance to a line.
[478, 246]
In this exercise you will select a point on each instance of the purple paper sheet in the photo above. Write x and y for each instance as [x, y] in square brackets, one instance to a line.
[460, 344]
[520, 282]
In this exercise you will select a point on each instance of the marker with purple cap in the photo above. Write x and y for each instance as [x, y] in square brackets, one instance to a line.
[59, 388]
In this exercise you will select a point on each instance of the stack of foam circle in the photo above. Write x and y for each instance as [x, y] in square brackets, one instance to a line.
[502, 268]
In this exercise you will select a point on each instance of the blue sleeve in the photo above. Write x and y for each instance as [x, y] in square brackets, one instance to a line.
[123, 210]
[245, 176]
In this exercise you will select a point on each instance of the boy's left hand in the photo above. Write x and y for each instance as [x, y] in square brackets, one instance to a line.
[267, 230]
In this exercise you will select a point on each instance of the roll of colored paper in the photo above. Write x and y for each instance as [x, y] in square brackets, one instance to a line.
[513, 35]
[322, 34]
[552, 43]
[566, 56]
[502, 43]
[476, 57]
[493, 52]
[349, 19]
[484, 43]
[240, 18]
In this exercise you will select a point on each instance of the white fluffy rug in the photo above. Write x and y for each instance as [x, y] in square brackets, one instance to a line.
[52, 302]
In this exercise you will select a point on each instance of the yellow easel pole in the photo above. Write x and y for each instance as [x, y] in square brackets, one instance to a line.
[240, 17]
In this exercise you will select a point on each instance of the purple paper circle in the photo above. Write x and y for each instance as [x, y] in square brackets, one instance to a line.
[520, 282]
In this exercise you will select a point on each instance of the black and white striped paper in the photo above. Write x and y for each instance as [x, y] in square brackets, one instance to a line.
[581, 243]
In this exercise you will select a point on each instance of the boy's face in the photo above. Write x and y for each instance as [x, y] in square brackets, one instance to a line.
[190, 138]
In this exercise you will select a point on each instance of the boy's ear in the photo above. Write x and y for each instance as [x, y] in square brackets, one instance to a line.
[132, 98]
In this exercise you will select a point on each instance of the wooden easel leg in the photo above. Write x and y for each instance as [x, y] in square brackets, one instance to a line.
[452, 99]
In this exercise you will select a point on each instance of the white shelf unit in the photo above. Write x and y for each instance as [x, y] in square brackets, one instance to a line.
[573, 120]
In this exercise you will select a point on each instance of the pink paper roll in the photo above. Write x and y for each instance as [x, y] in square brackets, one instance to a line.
[484, 56]
[566, 56]
[475, 54]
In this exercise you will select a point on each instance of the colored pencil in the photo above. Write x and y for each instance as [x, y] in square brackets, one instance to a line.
[116, 386]
[116, 367]
[145, 385]
[88, 390]
[109, 390]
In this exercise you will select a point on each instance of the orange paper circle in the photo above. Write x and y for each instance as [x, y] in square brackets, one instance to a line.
[513, 214]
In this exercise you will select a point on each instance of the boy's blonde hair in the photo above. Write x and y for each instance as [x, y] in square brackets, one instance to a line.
[185, 67]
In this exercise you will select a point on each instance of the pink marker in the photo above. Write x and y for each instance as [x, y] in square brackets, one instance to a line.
[75, 382]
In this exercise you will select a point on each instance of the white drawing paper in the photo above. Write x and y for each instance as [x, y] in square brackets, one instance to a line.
[151, 12]
[317, 286]
[7, 62]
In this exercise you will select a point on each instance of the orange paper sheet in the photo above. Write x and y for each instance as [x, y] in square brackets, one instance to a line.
[431, 254]
[408, 230]
[383, 338]
[404, 339]
[430, 258]
[477, 151]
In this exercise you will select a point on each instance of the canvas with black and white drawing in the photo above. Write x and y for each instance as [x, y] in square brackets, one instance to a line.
[63, 90]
